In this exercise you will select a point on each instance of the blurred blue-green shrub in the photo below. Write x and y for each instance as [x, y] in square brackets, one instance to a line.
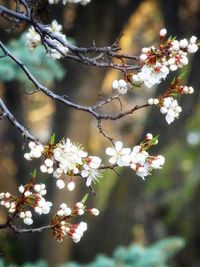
[45, 69]
[155, 255]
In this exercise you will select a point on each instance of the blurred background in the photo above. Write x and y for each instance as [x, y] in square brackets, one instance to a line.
[132, 211]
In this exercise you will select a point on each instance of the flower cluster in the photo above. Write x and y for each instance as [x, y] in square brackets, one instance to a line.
[138, 158]
[157, 63]
[8, 201]
[64, 2]
[75, 231]
[32, 197]
[56, 50]
[121, 86]
[167, 103]
[63, 228]
[69, 157]
[36, 150]
[64, 210]
[171, 108]
[66, 158]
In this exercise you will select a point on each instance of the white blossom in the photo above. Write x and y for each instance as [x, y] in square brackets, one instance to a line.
[64, 210]
[90, 170]
[33, 38]
[71, 186]
[36, 150]
[118, 154]
[69, 157]
[171, 108]
[94, 211]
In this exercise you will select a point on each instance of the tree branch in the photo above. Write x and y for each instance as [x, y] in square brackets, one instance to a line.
[104, 54]
[7, 114]
[88, 109]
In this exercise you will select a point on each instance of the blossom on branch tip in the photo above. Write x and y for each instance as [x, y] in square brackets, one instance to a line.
[64, 210]
[171, 108]
[35, 151]
[153, 101]
[157, 63]
[121, 86]
[90, 169]
[163, 32]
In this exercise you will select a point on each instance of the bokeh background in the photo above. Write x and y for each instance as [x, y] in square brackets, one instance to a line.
[132, 211]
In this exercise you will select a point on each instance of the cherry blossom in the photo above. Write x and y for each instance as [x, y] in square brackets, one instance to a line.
[35, 151]
[118, 154]
[171, 108]
[90, 169]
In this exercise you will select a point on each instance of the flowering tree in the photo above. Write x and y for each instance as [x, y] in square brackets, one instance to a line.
[67, 161]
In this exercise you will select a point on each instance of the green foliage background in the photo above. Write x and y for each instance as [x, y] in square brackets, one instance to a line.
[157, 254]
[45, 69]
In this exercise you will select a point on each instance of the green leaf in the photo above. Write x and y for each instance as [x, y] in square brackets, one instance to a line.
[84, 199]
[52, 138]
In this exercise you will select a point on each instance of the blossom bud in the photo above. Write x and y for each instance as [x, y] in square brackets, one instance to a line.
[7, 195]
[28, 214]
[60, 213]
[115, 84]
[22, 215]
[37, 188]
[193, 39]
[28, 221]
[150, 101]
[192, 48]
[71, 186]
[43, 168]
[163, 32]
[31, 145]
[27, 156]
[60, 184]
[183, 43]
[80, 212]
[190, 90]
[94, 212]
[149, 136]
[163, 110]
[155, 101]
[143, 57]
[7, 205]
[50, 170]
[48, 162]
[145, 50]
[2, 195]
[21, 189]
[79, 205]
[67, 212]
[63, 206]
[173, 67]
[27, 193]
